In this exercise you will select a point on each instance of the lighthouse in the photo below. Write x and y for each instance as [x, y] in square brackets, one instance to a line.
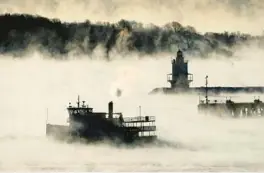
[179, 78]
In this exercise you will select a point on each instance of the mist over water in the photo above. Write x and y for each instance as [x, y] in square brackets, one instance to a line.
[200, 142]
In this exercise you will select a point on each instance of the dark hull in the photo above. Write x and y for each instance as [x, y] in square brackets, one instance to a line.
[63, 133]
[211, 90]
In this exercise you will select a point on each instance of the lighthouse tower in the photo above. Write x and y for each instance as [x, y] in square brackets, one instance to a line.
[180, 78]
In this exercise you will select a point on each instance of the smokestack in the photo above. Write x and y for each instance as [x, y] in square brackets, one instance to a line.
[110, 109]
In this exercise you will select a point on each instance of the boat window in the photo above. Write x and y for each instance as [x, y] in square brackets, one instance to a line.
[147, 118]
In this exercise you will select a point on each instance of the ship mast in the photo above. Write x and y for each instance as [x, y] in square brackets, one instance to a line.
[140, 111]
[141, 124]
[206, 89]
[78, 101]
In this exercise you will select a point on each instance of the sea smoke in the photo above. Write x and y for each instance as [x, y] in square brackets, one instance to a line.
[22, 32]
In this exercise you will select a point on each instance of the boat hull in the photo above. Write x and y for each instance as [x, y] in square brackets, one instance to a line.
[64, 133]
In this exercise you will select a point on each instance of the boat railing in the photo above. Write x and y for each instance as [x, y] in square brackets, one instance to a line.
[142, 128]
[139, 119]
[147, 128]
